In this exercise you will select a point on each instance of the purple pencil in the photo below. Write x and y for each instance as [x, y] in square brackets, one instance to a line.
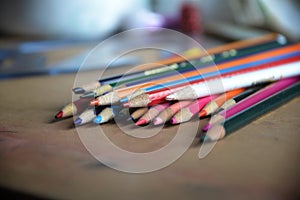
[252, 100]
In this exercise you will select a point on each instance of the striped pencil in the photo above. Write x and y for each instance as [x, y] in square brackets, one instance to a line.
[219, 85]
[186, 114]
[208, 72]
[143, 69]
[152, 113]
[252, 107]
[169, 112]
[238, 64]
[147, 99]
[182, 67]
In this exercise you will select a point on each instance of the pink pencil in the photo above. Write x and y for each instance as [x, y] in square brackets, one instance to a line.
[152, 113]
[169, 112]
[252, 100]
[185, 114]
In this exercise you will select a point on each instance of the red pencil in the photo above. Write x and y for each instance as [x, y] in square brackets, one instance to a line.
[73, 108]
[155, 97]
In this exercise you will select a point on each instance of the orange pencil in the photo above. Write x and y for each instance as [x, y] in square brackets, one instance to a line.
[212, 106]
[225, 47]
[135, 90]
[239, 44]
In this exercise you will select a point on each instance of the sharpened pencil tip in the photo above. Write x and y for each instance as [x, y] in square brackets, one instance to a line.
[141, 122]
[206, 127]
[78, 90]
[157, 121]
[173, 120]
[123, 100]
[59, 115]
[94, 102]
[88, 95]
[98, 119]
[202, 113]
[77, 121]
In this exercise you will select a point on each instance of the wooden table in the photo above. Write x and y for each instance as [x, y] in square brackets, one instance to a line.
[47, 159]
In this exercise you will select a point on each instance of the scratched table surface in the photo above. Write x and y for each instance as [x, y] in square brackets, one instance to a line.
[46, 159]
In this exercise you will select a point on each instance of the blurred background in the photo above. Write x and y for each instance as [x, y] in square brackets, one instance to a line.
[54, 36]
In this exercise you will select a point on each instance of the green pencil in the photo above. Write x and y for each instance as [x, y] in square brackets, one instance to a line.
[185, 66]
[231, 124]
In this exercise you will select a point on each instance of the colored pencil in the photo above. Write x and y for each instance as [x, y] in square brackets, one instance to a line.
[230, 102]
[213, 105]
[107, 114]
[254, 106]
[122, 114]
[169, 112]
[87, 116]
[182, 67]
[152, 113]
[200, 74]
[154, 97]
[206, 61]
[138, 113]
[186, 114]
[73, 108]
[219, 85]
[141, 69]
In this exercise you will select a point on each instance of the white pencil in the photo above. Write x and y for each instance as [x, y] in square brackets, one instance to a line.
[226, 83]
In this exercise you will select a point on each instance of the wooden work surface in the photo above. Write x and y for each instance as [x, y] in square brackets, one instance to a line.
[47, 159]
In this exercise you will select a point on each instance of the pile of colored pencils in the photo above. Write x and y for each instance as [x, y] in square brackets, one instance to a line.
[234, 84]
